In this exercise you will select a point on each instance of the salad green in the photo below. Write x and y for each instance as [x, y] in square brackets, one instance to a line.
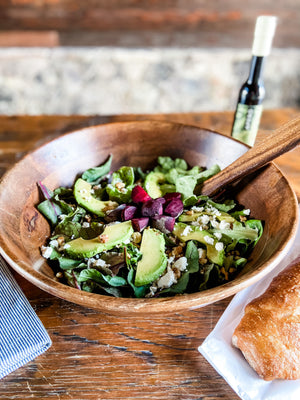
[135, 233]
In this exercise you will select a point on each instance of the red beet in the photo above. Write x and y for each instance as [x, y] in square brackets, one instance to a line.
[174, 208]
[164, 223]
[139, 224]
[153, 207]
[170, 196]
[139, 195]
[128, 213]
[116, 214]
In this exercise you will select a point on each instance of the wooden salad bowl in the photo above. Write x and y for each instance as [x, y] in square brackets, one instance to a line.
[23, 230]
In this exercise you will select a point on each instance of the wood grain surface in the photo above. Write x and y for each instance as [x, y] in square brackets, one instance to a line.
[98, 356]
[128, 23]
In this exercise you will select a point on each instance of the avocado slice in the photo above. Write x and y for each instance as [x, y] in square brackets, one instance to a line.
[223, 216]
[152, 181]
[115, 234]
[154, 259]
[190, 232]
[84, 197]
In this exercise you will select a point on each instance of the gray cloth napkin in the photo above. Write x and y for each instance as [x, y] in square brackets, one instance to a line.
[22, 335]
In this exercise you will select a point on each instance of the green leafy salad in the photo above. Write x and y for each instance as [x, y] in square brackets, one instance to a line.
[135, 233]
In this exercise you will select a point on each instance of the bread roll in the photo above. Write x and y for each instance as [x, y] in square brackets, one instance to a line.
[269, 332]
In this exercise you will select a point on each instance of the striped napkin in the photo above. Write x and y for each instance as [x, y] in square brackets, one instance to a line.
[22, 335]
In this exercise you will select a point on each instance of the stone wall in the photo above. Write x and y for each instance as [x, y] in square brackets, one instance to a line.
[112, 80]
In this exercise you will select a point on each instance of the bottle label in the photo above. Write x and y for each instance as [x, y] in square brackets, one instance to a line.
[246, 123]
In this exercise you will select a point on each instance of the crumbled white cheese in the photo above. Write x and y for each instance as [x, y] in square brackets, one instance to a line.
[202, 253]
[167, 280]
[153, 290]
[204, 219]
[100, 263]
[214, 223]
[247, 212]
[171, 259]
[86, 225]
[54, 244]
[208, 239]
[90, 262]
[181, 263]
[66, 246]
[218, 235]
[46, 251]
[196, 223]
[197, 209]
[62, 217]
[186, 230]
[224, 225]
[219, 246]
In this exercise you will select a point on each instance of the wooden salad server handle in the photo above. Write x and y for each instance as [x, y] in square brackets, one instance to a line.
[282, 140]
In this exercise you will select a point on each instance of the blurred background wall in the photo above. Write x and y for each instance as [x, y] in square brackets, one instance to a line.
[135, 56]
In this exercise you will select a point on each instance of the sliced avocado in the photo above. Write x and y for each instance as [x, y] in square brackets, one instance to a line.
[84, 197]
[112, 236]
[190, 232]
[194, 217]
[154, 260]
[152, 181]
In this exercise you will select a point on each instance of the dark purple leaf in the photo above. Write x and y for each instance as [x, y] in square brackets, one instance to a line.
[116, 268]
[48, 196]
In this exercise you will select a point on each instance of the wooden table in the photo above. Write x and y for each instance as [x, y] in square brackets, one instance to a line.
[99, 356]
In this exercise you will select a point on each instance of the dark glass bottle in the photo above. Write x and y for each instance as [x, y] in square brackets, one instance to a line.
[249, 106]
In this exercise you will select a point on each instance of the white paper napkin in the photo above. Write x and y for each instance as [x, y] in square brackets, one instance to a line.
[230, 363]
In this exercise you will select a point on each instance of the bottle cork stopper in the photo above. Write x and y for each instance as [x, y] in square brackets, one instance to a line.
[263, 35]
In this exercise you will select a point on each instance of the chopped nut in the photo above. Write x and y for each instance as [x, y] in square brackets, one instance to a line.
[103, 238]
[111, 205]
[177, 251]
[203, 261]
[189, 212]
[225, 273]
[60, 240]
[136, 237]
[177, 273]
[59, 275]
[242, 218]
[88, 218]
[120, 185]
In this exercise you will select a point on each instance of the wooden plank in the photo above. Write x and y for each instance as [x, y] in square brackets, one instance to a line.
[135, 23]
[29, 38]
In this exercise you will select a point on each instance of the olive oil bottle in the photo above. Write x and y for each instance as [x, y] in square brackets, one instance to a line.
[249, 106]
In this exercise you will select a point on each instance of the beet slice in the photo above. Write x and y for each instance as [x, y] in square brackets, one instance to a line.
[139, 224]
[128, 213]
[139, 195]
[116, 214]
[174, 208]
[164, 223]
[170, 196]
[153, 207]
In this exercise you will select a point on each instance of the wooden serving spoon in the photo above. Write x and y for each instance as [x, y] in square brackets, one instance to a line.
[282, 140]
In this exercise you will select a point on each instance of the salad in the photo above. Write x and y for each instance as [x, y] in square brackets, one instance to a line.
[135, 233]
